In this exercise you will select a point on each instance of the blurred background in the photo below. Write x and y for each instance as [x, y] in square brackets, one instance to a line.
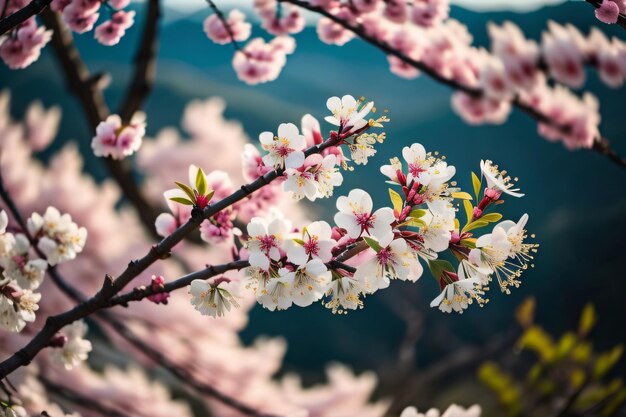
[576, 200]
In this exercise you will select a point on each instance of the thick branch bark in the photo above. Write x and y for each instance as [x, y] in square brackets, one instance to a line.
[31, 9]
[601, 144]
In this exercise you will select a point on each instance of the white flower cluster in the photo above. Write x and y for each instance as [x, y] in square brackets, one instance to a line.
[368, 248]
[452, 411]
[58, 239]
[74, 348]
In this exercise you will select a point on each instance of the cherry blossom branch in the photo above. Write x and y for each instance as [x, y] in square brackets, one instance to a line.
[621, 19]
[112, 287]
[601, 145]
[86, 89]
[136, 295]
[145, 64]
[222, 18]
[31, 9]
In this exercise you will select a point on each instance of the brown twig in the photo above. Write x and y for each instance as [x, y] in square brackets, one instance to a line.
[31, 9]
[224, 21]
[601, 144]
[145, 64]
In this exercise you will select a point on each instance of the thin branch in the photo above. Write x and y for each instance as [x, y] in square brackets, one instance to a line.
[81, 400]
[621, 19]
[112, 287]
[601, 144]
[224, 21]
[86, 89]
[145, 64]
[31, 9]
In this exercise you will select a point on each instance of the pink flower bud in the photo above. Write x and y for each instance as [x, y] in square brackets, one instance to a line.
[608, 12]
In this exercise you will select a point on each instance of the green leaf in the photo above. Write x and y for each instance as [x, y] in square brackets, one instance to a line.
[417, 213]
[491, 217]
[475, 225]
[201, 182]
[437, 266]
[210, 194]
[182, 200]
[461, 195]
[476, 183]
[187, 189]
[413, 223]
[587, 319]
[396, 200]
[372, 243]
[299, 241]
[469, 242]
[469, 210]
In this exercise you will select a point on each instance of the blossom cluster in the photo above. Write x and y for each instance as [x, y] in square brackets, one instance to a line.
[22, 46]
[367, 247]
[515, 68]
[57, 239]
[117, 139]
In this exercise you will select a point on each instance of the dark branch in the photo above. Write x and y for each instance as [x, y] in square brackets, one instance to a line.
[145, 64]
[31, 9]
[111, 288]
[601, 144]
[93, 104]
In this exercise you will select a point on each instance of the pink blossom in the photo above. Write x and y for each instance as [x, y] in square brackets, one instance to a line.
[81, 15]
[260, 62]
[59, 5]
[365, 6]
[290, 21]
[333, 33]
[252, 162]
[217, 32]
[24, 48]
[396, 11]
[118, 4]
[563, 50]
[478, 110]
[518, 54]
[608, 12]
[118, 140]
[110, 32]
[41, 125]
[157, 284]
[428, 13]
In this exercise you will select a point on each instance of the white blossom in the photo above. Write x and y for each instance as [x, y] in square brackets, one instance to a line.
[316, 243]
[307, 283]
[285, 149]
[355, 215]
[213, 299]
[498, 180]
[348, 113]
[76, 348]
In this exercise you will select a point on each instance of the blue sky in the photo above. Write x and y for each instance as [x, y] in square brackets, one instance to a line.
[517, 5]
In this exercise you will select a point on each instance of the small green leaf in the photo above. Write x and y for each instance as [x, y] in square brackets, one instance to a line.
[469, 210]
[461, 195]
[372, 243]
[209, 196]
[182, 200]
[475, 225]
[437, 266]
[469, 242]
[417, 213]
[413, 223]
[476, 183]
[187, 189]
[587, 320]
[396, 200]
[299, 241]
[491, 217]
[201, 182]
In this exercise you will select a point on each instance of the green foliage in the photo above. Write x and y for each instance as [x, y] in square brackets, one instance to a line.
[437, 266]
[372, 243]
[566, 371]
[476, 183]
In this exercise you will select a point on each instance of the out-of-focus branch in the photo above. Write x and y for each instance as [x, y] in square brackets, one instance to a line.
[601, 144]
[145, 64]
[85, 87]
[161, 250]
[621, 19]
[81, 400]
[31, 9]
[222, 19]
